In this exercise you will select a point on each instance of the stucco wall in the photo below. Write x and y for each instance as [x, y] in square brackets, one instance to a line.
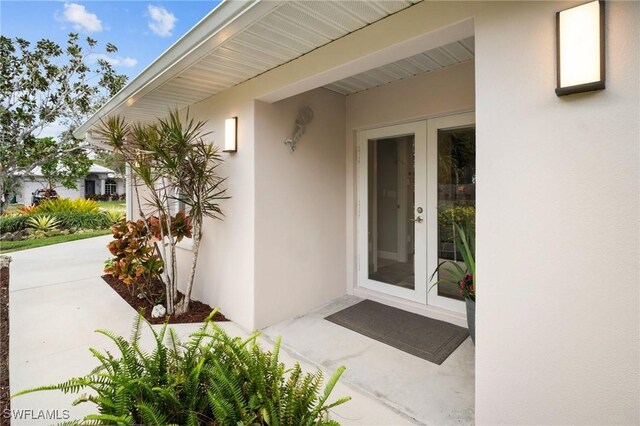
[300, 207]
[226, 264]
[29, 186]
[436, 93]
[558, 209]
[557, 225]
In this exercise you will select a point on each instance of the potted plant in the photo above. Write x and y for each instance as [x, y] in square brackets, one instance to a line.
[464, 278]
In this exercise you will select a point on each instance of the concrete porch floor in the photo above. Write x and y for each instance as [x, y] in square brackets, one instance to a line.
[58, 300]
[425, 392]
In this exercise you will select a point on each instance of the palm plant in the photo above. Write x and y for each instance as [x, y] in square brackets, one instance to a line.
[462, 277]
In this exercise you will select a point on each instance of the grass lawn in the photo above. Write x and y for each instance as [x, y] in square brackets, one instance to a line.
[112, 205]
[9, 246]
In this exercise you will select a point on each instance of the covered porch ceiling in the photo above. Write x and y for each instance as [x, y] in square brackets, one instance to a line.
[431, 60]
[238, 41]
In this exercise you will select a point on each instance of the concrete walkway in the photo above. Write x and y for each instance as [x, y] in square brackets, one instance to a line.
[58, 299]
[426, 392]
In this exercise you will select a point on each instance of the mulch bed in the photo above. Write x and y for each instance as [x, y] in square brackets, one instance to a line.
[5, 402]
[198, 311]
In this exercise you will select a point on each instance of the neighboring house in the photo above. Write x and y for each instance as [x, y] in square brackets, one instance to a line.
[99, 181]
[394, 87]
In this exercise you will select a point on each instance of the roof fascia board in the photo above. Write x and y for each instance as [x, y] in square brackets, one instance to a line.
[225, 21]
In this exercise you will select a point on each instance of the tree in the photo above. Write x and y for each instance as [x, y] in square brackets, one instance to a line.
[111, 160]
[65, 169]
[175, 165]
[41, 85]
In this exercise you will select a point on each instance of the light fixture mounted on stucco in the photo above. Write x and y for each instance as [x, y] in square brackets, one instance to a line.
[231, 134]
[580, 54]
[305, 115]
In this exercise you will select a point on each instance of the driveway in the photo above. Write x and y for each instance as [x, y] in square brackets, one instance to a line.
[58, 300]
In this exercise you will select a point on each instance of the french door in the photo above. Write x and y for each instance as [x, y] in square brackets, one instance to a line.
[414, 180]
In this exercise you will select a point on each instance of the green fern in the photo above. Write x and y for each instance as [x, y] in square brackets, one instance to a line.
[212, 378]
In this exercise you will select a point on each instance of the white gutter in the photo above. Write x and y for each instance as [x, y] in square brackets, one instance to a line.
[225, 21]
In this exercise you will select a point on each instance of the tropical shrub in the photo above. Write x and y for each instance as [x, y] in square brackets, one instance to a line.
[174, 163]
[27, 209]
[68, 220]
[13, 223]
[114, 216]
[212, 379]
[61, 205]
[135, 260]
[180, 226]
[105, 197]
[77, 220]
[448, 214]
[43, 223]
[463, 277]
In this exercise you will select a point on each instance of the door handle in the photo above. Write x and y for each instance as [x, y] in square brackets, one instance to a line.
[417, 219]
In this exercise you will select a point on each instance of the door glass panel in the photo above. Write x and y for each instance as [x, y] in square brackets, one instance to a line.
[456, 197]
[391, 210]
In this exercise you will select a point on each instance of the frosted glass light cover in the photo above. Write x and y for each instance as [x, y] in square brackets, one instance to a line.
[230, 136]
[580, 48]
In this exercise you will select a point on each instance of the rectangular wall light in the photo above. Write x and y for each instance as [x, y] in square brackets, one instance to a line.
[231, 134]
[580, 55]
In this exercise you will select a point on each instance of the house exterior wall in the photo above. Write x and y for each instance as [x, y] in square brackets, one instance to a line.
[120, 185]
[29, 186]
[225, 275]
[300, 207]
[557, 196]
[557, 224]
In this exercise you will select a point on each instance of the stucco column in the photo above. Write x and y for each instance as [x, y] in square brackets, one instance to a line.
[102, 186]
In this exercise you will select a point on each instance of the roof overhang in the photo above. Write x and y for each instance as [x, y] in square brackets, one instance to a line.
[222, 23]
[237, 41]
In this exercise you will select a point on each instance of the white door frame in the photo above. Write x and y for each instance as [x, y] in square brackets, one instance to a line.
[426, 196]
[433, 125]
[419, 130]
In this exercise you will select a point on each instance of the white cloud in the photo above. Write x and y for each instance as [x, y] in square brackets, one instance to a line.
[116, 61]
[161, 21]
[81, 19]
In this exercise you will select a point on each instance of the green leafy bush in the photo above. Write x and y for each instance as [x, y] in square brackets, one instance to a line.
[83, 220]
[114, 216]
[13, 223]
[68, 220]
[59, 205]
[212, 379]
[449, 214]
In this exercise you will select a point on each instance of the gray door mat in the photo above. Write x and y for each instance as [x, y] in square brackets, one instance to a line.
[421, 336]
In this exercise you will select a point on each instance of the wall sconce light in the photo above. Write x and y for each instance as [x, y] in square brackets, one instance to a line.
[231, 134]
[580, 56]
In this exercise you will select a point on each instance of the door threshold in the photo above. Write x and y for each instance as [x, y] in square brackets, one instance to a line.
[434, 312]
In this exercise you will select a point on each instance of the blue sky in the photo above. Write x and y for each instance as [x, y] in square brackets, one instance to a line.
[141, 30]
